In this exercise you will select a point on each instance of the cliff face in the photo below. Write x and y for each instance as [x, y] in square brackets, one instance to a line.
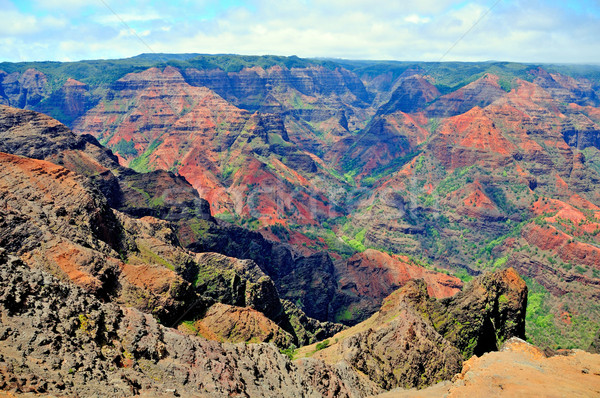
[415, 340]
[367, 278]
[155, 120]
[249, 87]
[23, 90]
[123, 352]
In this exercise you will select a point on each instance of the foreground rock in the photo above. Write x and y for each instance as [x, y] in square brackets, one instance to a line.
[58, 339]
[519, 369]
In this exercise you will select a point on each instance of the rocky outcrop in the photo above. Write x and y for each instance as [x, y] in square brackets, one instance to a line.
[56, 221]
[518, 369]
[487, 312]
[88, 348]
[306, 281]
[234, 324]
[37, 136]
[416, 341]
[308, 330]
[407, 352]
[412, 95]
[237, 282]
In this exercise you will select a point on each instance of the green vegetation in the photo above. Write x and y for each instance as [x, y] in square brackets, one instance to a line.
[568, 321]
[125, 148]
[463, 275]
[142, 163]
[290, 352]
[356, 243]
[322, 345]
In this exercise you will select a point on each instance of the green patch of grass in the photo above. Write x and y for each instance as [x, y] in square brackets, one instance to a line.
[463, 275]
[290, 352]
[322, 345]
[141, 164]
[500, 262]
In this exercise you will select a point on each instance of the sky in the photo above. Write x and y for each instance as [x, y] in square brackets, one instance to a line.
[538, 31]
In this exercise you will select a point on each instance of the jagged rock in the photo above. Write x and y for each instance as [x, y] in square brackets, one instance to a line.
[417, 341]
[89, 348]
[487, 312]
[223, 322]
[308, 330]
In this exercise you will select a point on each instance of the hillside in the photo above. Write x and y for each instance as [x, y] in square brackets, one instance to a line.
[457, 167]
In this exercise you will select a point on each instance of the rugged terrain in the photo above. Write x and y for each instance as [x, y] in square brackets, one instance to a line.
[88, 347]
[519, 369]
[249, 199]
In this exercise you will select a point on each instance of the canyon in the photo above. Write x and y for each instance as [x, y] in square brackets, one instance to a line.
[293, 214]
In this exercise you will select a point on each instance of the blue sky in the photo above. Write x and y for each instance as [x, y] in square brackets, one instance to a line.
[515, 30]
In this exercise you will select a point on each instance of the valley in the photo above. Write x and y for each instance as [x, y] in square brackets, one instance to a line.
[332, 209]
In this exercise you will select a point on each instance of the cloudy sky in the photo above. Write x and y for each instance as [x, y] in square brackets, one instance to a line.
[513, 30]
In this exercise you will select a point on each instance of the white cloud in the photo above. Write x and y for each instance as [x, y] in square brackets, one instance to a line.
[532, 30]
[417, 19]
[128, 17]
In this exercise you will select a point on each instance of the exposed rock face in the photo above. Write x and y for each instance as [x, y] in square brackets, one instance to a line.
[408, 352]
[308, 330]
[68, 103]
[518, 369]
[155, 120]
[489, 311]
[255, 83]
[23, 90]
[306, 281]
[89, 348]
[233, 324]
[413, 93]
[55, 221]
[453, 180]
[68, 228]
[37, 136]
[365, 279]
[416, 341]
[482, 92]
[565, 88]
